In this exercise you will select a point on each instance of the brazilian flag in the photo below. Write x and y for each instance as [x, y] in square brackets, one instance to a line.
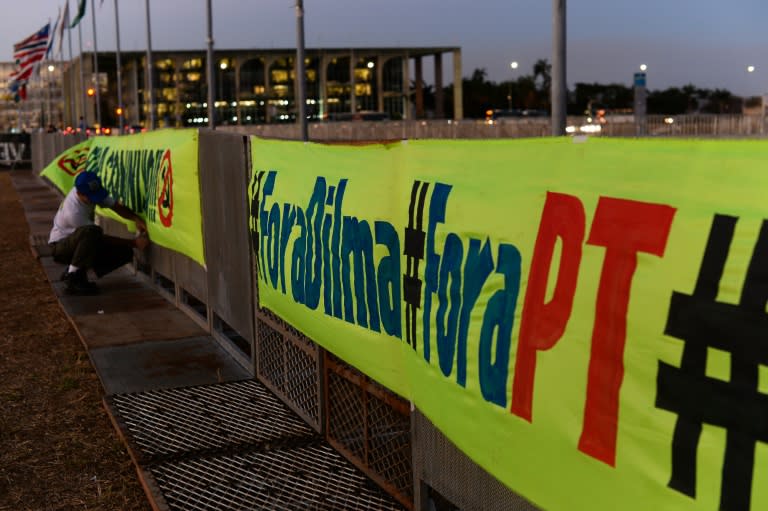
[80, 13]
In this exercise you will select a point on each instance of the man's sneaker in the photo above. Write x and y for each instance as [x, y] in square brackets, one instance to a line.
[78, 284]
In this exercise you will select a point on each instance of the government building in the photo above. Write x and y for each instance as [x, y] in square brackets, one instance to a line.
[258, 86]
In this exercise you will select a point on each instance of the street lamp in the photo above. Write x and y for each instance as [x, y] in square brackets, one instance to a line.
[223, 65]
[49, 94]
[513, 65]
[643, 67]
[751, 69]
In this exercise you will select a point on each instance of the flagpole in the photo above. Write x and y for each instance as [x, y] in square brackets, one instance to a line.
[73, 105]
[301, 79]
[60, 100]
[82, 74]
[150, 81]
[120, 113]
[96, 65]
[210, 68]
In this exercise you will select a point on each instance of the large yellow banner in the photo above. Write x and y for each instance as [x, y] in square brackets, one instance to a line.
[587, 321]
[155, 174]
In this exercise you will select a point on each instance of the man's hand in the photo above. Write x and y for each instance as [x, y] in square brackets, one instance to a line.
[142, 241]
[141, 226]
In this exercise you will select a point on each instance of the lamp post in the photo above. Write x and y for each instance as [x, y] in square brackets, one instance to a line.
[223, 66]
[209, 65]
[301, 79]
[48, 90]
[641, 101]
[513, 65]
[559, 90]
[751, 69]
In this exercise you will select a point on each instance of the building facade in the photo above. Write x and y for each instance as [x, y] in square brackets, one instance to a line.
[43, 105]
[258, 86]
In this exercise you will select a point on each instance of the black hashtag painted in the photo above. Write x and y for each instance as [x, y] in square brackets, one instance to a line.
[741, 330]
[255, 237]
[414, 252]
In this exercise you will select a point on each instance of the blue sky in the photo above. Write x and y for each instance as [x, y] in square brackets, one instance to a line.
[706, 42]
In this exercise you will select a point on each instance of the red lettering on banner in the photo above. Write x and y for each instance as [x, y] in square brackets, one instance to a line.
[543, 324]
[624, 228]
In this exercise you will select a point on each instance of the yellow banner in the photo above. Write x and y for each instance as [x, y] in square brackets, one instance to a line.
[587, 321]
[155, 174]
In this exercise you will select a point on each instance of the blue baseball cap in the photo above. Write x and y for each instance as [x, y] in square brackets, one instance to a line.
[89, 184]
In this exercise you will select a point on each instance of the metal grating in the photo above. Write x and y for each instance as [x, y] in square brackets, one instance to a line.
[288, 363]
[174, 423]
[310, 477]
[270, 352]
[371, 426]
[346, 415]
[390, 451]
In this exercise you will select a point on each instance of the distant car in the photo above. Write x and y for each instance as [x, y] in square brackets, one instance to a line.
[495, 115]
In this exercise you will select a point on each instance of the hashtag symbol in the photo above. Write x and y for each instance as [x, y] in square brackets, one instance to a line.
[742, 330]
[255, 238]
[414, 252]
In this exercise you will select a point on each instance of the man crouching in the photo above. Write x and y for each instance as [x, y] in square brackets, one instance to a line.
[76, 240]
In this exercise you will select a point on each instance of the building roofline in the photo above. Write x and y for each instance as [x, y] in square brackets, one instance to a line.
[412, 51]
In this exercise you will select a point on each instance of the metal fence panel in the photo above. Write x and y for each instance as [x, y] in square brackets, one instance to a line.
[223, 180]
[289, 364]
[371, 427]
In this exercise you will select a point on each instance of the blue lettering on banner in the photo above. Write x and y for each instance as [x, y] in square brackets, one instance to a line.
[332, 261]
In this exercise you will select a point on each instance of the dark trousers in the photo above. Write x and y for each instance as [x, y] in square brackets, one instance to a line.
[89, 248]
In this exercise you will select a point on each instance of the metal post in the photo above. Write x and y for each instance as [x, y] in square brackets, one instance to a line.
[82, 75]
[73, 105]
[458, 88]
[559, 102]
[209, 40]
[301, 92]
[96, 65]
[120, 115]
[48, 94]
[150, 80]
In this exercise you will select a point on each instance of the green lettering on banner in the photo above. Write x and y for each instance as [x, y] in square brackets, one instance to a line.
[129, 167]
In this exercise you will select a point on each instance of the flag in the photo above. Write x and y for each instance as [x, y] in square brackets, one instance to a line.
[29, 52]
[63, 22]
[80, 13]
[52, 38]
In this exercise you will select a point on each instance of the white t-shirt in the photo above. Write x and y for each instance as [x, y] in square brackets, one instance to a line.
[74, 213]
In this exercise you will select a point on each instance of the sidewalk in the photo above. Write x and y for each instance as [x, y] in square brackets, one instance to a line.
[201, 432]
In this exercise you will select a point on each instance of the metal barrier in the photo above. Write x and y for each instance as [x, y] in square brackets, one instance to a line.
[291, 366]
[47, 146]
[691, 125]
[223, 164]
[369, 425]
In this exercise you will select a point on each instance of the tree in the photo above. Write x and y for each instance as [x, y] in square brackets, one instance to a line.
[542, 77]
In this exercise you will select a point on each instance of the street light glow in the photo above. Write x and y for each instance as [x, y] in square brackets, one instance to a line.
[750, 69]
[643, 67]
[223, 65]
[370, 65]
[513, 65]
[50, 68]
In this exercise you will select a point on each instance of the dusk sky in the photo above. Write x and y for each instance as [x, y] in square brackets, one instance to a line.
[708, 43]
